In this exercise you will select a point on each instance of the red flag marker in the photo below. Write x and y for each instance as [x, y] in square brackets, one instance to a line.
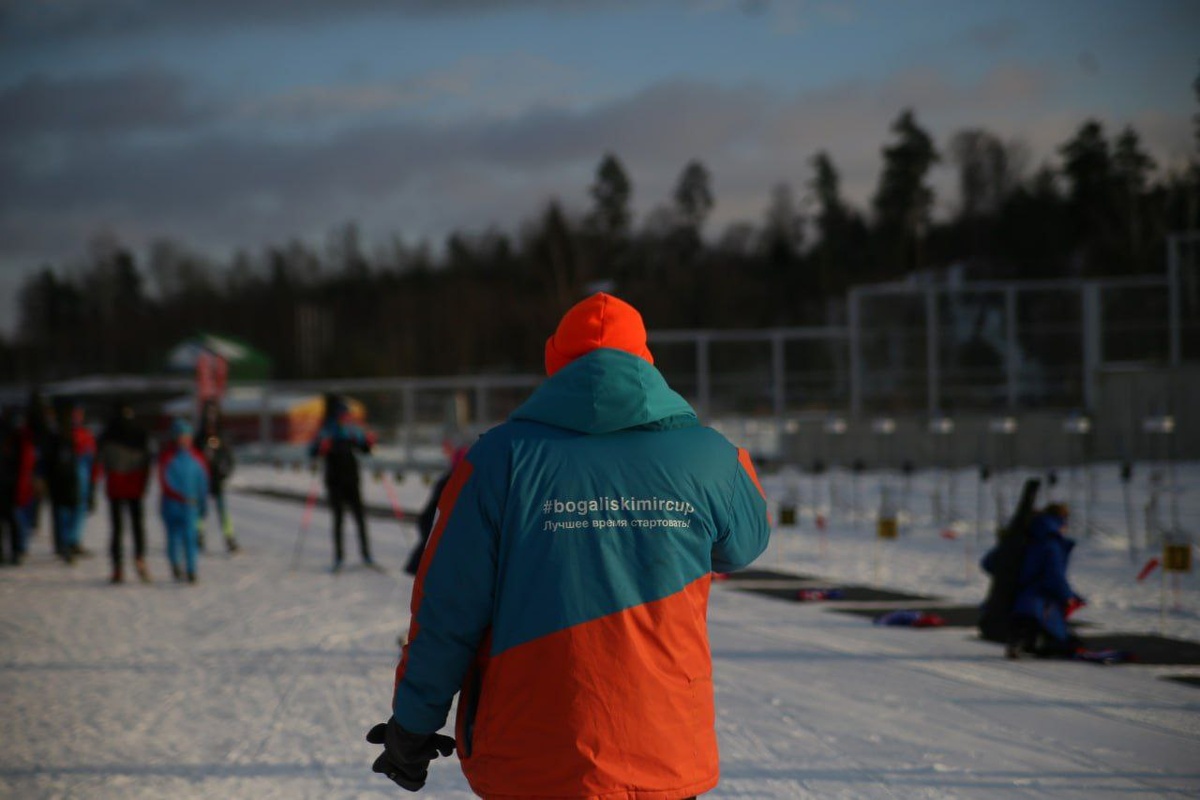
[1149, 567]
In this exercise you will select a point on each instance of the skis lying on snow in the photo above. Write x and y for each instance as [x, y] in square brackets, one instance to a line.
[1106, 656]
[910, 618]
[810, 595]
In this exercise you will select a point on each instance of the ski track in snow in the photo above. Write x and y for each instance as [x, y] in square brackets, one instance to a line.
[261, 681]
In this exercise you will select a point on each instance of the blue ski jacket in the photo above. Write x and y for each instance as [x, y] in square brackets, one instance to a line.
[183, 481]
[1043, 590]
[337, 442]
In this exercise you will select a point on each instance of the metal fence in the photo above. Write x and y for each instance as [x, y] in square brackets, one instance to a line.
[1120, 350]
[1013, 363]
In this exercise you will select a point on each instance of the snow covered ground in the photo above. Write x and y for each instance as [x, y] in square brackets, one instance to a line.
[260, 681]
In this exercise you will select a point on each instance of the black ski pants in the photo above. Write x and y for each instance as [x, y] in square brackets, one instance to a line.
[10, 530]
[137, 523]
[342, 497]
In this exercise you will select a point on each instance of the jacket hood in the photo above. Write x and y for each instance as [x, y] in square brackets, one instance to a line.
[1046, 527]
[607, 390]
[597, 321]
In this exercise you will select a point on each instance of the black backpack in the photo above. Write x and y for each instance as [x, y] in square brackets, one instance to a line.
[341, 464]
[61, 469]
[995, 615]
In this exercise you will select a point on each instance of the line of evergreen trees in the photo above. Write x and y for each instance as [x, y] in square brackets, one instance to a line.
[485, 301]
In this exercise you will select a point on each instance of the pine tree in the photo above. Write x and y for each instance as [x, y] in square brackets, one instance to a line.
[903, 202]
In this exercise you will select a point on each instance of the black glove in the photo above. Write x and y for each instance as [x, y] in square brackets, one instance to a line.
[406, 756]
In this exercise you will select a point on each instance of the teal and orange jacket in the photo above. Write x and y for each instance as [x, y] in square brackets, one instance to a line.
[564, 591]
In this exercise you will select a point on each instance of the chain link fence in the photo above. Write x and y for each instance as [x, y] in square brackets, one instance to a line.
[1120, 350]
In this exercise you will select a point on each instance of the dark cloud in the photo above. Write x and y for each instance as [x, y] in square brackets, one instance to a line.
[216, 190]
[754, 8]
[1089, 63]
[146, 99]
[416, 179]
[194, 175]
[996, 35]
[26, 22]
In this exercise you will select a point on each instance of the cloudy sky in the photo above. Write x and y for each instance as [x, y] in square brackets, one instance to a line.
[243, 123]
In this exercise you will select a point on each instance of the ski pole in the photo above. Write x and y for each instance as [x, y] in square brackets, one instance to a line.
[392, 498]
[1126, 479]
[309, 503]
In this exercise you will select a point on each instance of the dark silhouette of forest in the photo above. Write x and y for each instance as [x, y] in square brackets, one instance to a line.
[485, 301]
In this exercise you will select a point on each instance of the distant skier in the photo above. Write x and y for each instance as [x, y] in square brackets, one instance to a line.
[218, 457]
[184, 484]
[69, 468]
[1044, 597]
[338, 442]
[124, 452]
[564, 592]
[17, 462]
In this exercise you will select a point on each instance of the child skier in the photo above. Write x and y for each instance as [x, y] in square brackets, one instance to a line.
[184, 484]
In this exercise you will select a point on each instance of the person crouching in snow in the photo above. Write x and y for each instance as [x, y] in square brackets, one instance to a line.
[184, 484]
[1044, 597]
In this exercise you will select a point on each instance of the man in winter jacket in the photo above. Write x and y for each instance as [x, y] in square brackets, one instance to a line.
[124, 451]
[184, 484]
[564, 591]
[1044, 597]
[17, 461]
[69, 468]
[338, 442]
[37, 429]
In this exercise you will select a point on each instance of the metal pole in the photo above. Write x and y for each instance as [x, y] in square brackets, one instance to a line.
[482, 412]
[1130, 525]
[854, 321]
[1092, 352]
[979, 491]
[1174, 313]
[1011, 350]
[409, 394]
[264, 419]
[931, 352]
[1172, 486]
[778, 378]
[703, 384]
